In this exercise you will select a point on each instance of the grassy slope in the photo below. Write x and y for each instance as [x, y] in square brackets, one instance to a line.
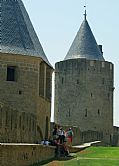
[94, 156]
[101, 152]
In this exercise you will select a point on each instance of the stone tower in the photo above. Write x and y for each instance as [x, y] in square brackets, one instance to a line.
[84, 86]
[25, 77]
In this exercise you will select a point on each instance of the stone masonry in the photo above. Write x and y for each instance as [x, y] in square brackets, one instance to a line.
[84, 86]
[28, 96]
[84, 95]
[24, 154]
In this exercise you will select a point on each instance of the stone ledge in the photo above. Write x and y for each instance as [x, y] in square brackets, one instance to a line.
[24, 154]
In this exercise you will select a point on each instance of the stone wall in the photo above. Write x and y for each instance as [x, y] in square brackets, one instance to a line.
[84, 95]
[16, 126]
[27, 116]
[80, 137]
[24, 154]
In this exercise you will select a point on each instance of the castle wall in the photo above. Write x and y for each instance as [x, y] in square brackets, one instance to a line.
[22, 92]
[25, 154]
[20, 84]
[16, 126]
[84, 95]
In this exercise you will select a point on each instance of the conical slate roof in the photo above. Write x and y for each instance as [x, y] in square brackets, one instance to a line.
[84, 45]
[17, 35]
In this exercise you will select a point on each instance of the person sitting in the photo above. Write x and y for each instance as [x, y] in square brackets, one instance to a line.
[45, 142]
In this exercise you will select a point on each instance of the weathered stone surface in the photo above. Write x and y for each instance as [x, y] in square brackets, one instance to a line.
[25, 115]
[84, 95]
[24, 154]
[84, 87]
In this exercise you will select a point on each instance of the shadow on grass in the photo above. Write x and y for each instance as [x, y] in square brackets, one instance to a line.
[55, 159]
[61, 158]
[43, 162]
[70, 157]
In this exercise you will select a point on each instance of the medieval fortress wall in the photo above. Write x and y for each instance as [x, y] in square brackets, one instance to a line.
[83, 89]
[25, 84]
[84, 95]
[24, 154]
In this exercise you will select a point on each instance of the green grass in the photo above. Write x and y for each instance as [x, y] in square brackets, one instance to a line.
[94, 156]
[90, 162]
[101, 152]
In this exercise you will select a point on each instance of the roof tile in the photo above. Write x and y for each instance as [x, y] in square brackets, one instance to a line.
[17, 34]
[84, 45]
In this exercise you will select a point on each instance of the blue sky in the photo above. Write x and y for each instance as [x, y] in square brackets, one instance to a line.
[57, 22]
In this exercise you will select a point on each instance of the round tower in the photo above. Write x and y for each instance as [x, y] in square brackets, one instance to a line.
[84, 86]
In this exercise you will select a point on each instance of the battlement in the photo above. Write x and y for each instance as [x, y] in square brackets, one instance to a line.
[83, 64]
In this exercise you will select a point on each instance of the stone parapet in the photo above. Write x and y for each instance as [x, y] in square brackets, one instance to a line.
[24, 154]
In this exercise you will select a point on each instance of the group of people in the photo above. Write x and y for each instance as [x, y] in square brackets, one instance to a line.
[62, 136]
[61, 139]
